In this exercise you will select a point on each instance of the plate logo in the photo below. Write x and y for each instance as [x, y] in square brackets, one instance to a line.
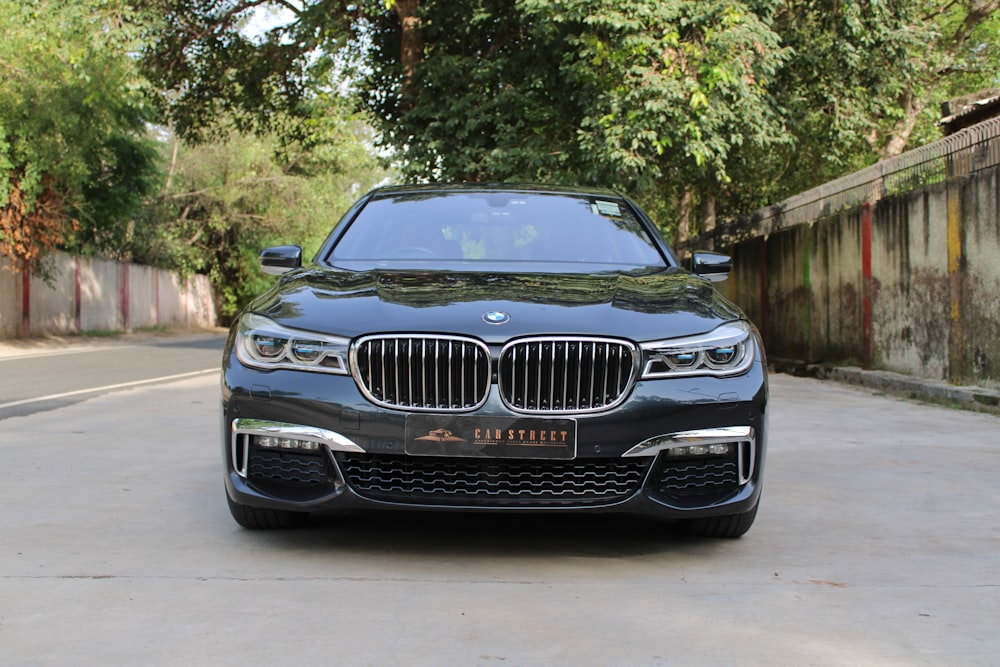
[440, 435]
[490, 437]
[496, 317]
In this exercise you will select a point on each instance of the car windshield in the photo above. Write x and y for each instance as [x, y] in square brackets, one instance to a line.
[481, 227]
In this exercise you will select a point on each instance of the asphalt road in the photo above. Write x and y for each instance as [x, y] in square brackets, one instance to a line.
[44, 375]
[877, 543]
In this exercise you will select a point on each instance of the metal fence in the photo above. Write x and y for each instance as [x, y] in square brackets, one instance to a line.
[965, 152]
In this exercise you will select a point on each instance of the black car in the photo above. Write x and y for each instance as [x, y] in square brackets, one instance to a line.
[495, 348]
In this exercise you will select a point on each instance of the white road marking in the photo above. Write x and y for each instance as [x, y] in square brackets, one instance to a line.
[16, 354]
[109, 387]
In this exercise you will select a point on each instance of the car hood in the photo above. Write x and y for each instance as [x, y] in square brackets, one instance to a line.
[663, 304]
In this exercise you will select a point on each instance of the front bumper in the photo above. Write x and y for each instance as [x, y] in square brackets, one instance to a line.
[309, 442]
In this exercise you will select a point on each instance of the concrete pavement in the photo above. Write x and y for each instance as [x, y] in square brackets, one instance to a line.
[877, 543]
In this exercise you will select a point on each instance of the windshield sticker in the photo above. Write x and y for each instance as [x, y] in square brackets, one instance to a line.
[607, 208]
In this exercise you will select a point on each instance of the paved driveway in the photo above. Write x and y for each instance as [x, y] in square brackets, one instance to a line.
[877, 544]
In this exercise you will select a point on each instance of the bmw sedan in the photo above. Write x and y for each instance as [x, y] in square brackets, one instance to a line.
[494, 348]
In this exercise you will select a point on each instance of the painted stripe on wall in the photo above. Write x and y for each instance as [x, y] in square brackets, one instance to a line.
[25, 301]
[955, 261]
[807, 291]
[764, 331]
[867, 285]
[77, 297]
[123, 296]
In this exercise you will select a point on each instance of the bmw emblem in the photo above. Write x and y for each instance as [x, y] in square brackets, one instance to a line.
[496, 317]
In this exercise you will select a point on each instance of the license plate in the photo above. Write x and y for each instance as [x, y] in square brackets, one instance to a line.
[491, 437]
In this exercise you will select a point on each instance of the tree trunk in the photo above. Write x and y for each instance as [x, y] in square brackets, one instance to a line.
[685, 209]
[412, 41]
[172, 169]
[900, 134]
[708, 221]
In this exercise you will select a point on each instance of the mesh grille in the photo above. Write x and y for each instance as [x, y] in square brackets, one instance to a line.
[287, 468]
[493, 482]
[439, 373]
[697, 477]
[566, 374]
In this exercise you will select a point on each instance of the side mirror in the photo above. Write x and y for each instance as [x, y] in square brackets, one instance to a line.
[712, 265]
[280, 259]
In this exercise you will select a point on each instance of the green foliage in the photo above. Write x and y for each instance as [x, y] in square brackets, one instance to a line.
[865, 81]
[644, 96]
[73, 143]
[672, 90]
[727, 104]
[960, 55]
[649, 97]
[489, 107]
[83, 170]
[847, 71]
[229, 198]
[207, 68]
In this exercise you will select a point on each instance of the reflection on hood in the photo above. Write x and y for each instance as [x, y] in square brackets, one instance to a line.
[666, 291]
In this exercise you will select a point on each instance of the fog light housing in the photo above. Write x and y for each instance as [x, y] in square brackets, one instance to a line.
[277, 442]
[716, 449]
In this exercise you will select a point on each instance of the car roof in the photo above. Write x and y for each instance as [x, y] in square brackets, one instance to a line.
[532, 188]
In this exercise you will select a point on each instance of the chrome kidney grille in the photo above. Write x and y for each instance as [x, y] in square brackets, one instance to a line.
[566, 375]
[422, 372]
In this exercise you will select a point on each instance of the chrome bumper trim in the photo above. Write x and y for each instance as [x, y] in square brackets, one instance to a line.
[704, 436]
[247, 427]
[743, 436]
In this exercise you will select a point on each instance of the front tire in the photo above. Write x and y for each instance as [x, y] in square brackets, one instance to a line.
[259, 518]
[726, 526]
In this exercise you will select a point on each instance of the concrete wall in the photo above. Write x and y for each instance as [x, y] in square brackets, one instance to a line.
[90, 294]
[10, 300]
[909, 284]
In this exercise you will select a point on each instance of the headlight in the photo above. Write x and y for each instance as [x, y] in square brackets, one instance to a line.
[263, 343]
[726, 350]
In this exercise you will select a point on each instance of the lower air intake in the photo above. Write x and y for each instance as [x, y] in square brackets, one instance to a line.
[493, 482]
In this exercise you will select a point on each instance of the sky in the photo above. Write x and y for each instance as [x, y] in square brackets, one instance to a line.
[266, 17]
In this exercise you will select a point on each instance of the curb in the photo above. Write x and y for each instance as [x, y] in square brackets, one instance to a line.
[967, 397]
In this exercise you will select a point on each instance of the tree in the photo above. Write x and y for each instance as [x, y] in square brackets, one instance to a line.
[866, 78]
[960, 53]
[639, 95]
[862, 82]
[75, 157]
[209, 69]
[652, 98]
[228, 198]
[723, 105]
